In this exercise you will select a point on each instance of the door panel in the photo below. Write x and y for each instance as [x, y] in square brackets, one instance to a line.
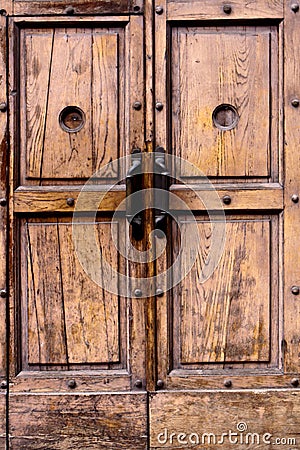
[89, 98]
[252, 419]
[93, 421]
[225, 78]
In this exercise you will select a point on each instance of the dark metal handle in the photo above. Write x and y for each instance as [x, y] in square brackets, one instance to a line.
[134, 200]
[161, 181]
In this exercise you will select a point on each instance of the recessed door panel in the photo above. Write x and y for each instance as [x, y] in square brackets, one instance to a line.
[224, 90]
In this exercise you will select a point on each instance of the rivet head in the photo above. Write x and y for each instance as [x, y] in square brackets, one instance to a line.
[138, 383]
[227, 9]
[3, 107]
[295, 198]
[70, 201]
[159, 106]
[159, 292]
[159, 10]
[137, 105]
[295, 102]
[72, 384]
[228, 383]
[295, 7]
[3, 293]
[3, 12]
[160, 384]
[3, 384]
[69, 10]
[226, 199]
[3, 202]
[295, 382]
[138, 293]
[136, 8]
[295, 290]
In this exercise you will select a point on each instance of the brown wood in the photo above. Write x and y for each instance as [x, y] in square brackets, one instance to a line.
[3, 195]
[27, 8]
[3, 420]
[213, 9]
[225, 66]
[66, 421]
[228, 409]
[292, 186]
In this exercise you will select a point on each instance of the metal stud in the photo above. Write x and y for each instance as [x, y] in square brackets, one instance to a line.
[70, 201]
[3, 293]
[295, 7]
[227, 9]
[295, 382]
[159, 10]
[159, 106]
[3, 202]
[228, 383]
[226, 199]
[295, 198]
[136, 8]
[295, 102]
[3, 107]
[159, 292]
[295, 290]
[3, 384]
[160, 384]
[138, 383]
[137, 105]
[69, 10]
[72, 384]
[138, 293]
[3, 12]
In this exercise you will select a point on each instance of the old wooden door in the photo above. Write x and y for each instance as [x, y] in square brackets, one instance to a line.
[228, 344]
[211, 361]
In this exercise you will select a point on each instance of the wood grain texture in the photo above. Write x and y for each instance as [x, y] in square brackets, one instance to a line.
[274, 411]
[3, 194]
[64, 422]
[224, 66]
[2, 420]
[227, 318]
[213, 9]
[292, 186]
[46, 7]
[70, 319]
[88, 64]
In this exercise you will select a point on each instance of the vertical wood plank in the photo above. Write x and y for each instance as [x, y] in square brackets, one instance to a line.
[91, 313]
[105, 99]
[68, 155]
[37, 57]
[292, 187]
[46, 340]
[3, 195]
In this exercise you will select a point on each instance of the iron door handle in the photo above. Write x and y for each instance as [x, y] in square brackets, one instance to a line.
[161, 182]
[134, 195]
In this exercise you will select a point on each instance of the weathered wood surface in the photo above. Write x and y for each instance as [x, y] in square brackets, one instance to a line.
[231, 66]
[67, 421]
[3, 194]
[70, 319]
[213, 9]
[227, 318]
[90, 66]
[292, 187]
[46, 7]
[276, 412]
[2, 420]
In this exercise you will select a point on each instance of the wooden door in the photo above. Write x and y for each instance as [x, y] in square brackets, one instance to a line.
[77, 351]
[213, 360]
[228, 344]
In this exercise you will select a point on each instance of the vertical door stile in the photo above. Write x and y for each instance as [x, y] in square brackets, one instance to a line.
[291, 343]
